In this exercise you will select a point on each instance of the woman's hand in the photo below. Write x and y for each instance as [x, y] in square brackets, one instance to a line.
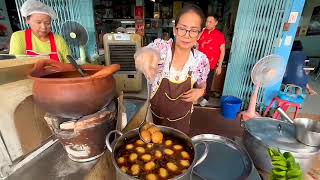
[146, 61]
[193, 95]
[218, 70]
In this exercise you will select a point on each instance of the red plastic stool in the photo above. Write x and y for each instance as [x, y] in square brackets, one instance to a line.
[285, 105]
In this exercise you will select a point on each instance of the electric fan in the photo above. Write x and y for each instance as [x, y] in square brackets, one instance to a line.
[77, 36]
[266, 72]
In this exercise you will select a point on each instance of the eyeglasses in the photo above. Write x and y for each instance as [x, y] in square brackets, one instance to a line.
[192, 33]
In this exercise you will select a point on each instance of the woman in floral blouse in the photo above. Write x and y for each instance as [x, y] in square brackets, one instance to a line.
[176, 71]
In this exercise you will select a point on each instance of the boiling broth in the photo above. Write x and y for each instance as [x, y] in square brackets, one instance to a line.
[160, 163]
[69, 74]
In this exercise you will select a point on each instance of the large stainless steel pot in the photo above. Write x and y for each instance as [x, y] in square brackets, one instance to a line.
[263, 133]
[307, 130]
[59, 89]
[166, 131]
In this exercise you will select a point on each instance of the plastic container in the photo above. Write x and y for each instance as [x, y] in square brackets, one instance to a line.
[230, 107]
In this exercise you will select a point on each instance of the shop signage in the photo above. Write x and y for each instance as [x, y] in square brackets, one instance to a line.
[139, 25]
[138, 12]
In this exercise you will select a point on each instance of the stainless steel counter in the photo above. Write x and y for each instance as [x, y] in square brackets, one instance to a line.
[53, 164]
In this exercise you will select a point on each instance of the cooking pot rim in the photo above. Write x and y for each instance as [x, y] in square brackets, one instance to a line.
[135, 131]
[69, 69]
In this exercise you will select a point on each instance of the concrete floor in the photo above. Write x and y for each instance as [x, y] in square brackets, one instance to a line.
[312, 103]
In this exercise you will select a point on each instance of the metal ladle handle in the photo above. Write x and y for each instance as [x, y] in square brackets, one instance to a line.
[285, 115]
[148, 100]
[76, 66]
[148, 117]
[147, 105]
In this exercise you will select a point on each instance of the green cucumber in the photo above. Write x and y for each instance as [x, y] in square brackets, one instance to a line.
[279, 173]
[294, 173]
[278, 158]
[292, 166]
[291, 159]
[279, 163]
[275, 177]
[270, 152]
[274, 152]
[287, 155]
[282, 168]
[296, 178]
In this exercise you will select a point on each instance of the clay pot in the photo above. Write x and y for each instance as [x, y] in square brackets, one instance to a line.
[60, 90]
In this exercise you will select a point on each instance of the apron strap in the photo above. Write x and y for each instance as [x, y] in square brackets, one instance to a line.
[53, 55]
[28, 41]
[29, 50]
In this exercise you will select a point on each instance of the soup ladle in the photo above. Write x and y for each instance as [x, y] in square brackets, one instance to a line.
[76, 66]
[147, 119]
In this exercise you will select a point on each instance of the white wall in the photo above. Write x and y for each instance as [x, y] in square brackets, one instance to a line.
[311, 43]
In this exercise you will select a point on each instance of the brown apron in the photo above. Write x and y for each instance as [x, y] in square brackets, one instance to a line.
[167, 107]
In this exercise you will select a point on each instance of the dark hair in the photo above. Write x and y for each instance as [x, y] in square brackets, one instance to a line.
[191, 8]
[297, 46]
[215, 16]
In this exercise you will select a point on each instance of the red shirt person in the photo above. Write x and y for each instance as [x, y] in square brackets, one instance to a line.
[212, 44]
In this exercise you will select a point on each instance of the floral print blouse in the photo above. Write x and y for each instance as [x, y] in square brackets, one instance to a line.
[197, 65]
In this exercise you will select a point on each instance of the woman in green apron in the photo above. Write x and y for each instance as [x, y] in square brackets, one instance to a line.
[177, 72]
